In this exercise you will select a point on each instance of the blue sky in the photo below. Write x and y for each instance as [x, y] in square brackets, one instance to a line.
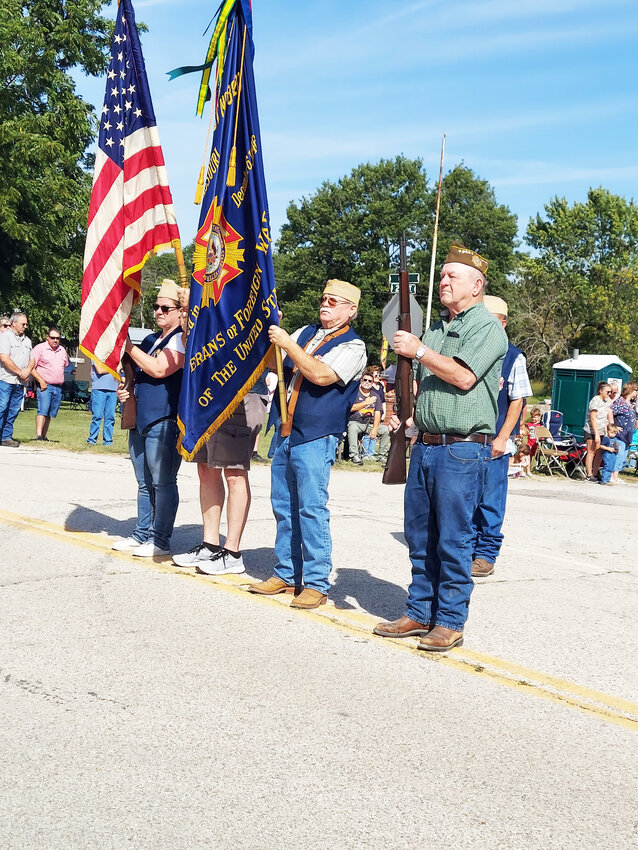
[539, 98]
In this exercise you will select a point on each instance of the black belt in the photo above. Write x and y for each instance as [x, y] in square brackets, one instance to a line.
[448, 439]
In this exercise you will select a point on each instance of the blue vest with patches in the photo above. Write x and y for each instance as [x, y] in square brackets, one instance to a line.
[504, 400]
[320, 411]
[157, 398]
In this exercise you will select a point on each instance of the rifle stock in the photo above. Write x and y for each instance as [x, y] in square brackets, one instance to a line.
[129, 407]
[395, 471]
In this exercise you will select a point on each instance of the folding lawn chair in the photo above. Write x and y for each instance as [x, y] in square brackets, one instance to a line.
[548, 457]
[566, 442]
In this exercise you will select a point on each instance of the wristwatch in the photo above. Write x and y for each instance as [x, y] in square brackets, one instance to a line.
[418, 354]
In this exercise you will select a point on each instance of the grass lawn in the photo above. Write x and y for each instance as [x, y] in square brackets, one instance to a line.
[69, 430]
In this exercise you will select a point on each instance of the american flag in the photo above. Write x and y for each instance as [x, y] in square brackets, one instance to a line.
[131, 211]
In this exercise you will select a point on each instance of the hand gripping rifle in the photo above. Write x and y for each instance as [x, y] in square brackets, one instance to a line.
[395, 468]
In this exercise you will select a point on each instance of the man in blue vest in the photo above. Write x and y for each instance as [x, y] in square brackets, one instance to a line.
[514, 389]
[322, 368]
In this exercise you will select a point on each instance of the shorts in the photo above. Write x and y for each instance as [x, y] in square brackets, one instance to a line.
[49, 400]
[232, 444]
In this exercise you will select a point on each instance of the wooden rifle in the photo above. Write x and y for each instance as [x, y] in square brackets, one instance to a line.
[396, 464]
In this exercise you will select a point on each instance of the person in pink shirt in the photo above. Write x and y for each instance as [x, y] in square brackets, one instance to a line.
[50, 361]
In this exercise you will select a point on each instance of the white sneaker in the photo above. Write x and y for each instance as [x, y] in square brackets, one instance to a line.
[126, 544]
[149, 550]
[194, 556]
[221, 563]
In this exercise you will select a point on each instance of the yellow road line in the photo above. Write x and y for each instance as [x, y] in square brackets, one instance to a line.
[536, 683]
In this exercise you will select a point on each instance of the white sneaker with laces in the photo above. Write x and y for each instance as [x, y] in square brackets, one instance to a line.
[149, 550]
[221, 563]
[194, 556]
[126, 544]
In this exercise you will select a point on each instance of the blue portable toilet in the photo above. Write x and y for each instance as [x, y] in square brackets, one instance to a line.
[575, 383]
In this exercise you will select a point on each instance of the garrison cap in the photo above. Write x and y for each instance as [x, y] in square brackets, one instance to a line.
[460, 254]
[495, 305]
[344, 290]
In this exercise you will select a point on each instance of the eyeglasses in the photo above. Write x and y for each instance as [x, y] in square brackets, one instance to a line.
[331, 301]
[366, 380]
[55, 338]
[164, 308]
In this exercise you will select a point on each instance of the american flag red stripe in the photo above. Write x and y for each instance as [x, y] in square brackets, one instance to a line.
[131, 212]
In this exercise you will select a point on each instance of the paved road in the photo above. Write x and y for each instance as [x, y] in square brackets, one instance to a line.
[143, 706]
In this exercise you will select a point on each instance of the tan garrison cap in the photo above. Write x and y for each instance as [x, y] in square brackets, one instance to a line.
[495, 305]
[343, 289]
[460, 254]
[169, 289]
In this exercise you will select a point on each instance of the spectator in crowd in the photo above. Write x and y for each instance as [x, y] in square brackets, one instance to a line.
[457, 369]
[103, 403]
[514, 389]
[532, 425]
[520, 462]
[159, 362]
[364, 419]
[623, 410]
[322, 368]
[50, 360]
[4, 324]
[16, 365]
[383, 433]
[609, 448]
[262, 389]
[598, 415]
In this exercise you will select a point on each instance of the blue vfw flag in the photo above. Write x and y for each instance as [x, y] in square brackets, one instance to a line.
[232, 297]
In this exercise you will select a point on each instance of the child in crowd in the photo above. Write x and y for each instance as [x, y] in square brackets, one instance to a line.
[520, 463]
[534, 422]
[609, 447]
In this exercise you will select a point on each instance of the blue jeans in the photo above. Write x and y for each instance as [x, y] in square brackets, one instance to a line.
[621, 457]
[10, 402]
[490, 514]
[299, 498]
[608, 464]
[49, 400]
[444, 487]
[103, 404]
[155, 460]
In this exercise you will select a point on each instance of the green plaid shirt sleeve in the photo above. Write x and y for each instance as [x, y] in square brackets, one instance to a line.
[481, 346]
[476, 339]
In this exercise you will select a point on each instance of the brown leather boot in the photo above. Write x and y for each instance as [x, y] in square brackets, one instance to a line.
[403, 627]
[273, 586]
[440, 639]
[481, 568]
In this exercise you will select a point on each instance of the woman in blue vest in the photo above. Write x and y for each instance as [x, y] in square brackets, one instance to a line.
[153, 440]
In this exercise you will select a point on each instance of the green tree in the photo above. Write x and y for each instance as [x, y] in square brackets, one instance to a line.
[45, 128]
[470, 214]
[351, 230]
[581, 288]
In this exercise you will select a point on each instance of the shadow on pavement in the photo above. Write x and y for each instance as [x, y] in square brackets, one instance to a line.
[374, 595]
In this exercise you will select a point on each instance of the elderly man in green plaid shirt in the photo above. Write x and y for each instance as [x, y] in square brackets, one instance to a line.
[457, 368]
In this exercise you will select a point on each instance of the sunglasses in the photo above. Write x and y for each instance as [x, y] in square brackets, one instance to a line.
[55, 338]
[331, 301]
[366, 380]
[164, 308]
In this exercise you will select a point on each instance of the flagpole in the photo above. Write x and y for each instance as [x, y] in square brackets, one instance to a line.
[283, 407]
[434, 240]
[184, 277]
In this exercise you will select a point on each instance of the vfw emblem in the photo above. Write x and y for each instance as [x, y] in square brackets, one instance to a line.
[217, 256]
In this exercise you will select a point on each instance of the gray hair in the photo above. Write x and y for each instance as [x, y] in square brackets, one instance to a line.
[15, 316]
